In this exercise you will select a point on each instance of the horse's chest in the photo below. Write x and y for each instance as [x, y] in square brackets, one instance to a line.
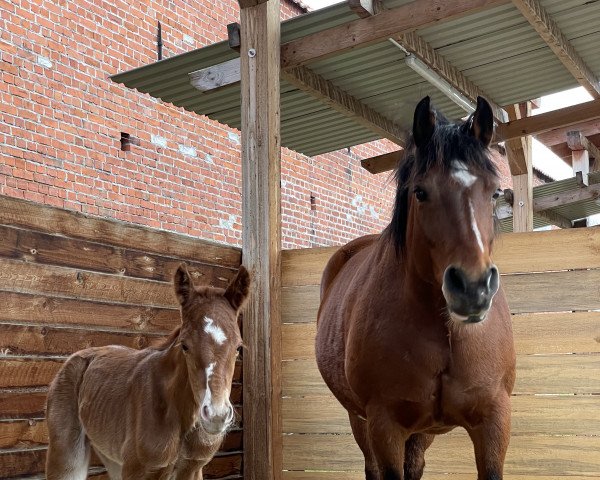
[195, 446]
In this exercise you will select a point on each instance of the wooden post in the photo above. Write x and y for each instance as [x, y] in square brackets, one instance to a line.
[519, 153]
[261, 237]
[580, 156]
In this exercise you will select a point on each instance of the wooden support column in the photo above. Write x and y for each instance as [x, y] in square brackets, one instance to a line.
[580, 157]
[261, 237]
[519, 152]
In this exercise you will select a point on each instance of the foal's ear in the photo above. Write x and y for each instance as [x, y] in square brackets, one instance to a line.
[423, 123]
[184, 287]
[238, 289]
[482, 123]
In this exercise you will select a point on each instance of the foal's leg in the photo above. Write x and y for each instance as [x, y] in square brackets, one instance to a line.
[414, 458]
[490, 440]
[359, 429]
[387, 440]
[113, 468]
[189, 470]
[68, 454]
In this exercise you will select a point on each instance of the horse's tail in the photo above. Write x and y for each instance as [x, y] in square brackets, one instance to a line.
[339, 259]
[68, 447]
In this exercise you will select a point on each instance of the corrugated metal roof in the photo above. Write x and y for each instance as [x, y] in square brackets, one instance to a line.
[497, 49]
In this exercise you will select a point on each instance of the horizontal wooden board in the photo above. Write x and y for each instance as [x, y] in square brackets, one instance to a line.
[577, 332]
[536, 374]
[293, 475]
[514, 253]
[27, 403]
[527, 455]
[48, 310]
[43, 248]
[33, 340]
[17, 464]
[531, 415]
[19, 403]
[25, 372]
[43, 218]
[527, 293]
[23, 277]
[23, 434]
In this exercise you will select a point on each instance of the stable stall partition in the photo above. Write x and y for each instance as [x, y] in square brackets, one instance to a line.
[552, 281]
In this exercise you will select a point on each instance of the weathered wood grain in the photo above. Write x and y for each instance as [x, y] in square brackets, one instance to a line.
[527, 455]
[536, 374]
[19, 276]
[321, 475]
[23, 433]
[19, 403]
[32, 340]
[20, 463]
[531, 415]
[49, 310]
[38, 247]
[43, 218]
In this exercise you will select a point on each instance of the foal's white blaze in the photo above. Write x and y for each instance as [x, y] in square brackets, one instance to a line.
[208, 371]
[216, 332]
[461, 174]
[474, 226]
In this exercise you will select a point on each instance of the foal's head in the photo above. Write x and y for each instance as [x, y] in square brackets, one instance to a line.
[443, 216]
[210, 340]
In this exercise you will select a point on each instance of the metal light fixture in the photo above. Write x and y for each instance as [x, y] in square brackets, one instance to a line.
[438, 82]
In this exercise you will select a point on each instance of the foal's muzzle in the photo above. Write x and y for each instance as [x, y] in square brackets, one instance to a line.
[216, 420]
[469, 300]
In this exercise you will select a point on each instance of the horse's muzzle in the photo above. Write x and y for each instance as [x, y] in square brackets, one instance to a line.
[469, 300]
[216, 421]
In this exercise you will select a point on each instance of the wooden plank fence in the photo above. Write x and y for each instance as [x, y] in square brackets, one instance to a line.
[553, 284]
[70, 281]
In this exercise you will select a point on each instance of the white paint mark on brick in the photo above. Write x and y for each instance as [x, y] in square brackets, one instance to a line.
[188, 151]
[229, 223]
[44, 61]
[349, 217]
[209, 159]
[374, 213]
[188, 39]
[360, 205]
[158, 141]
[234, 137]
[284, 184]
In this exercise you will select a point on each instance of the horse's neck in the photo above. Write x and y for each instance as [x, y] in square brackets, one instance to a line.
[178, 387]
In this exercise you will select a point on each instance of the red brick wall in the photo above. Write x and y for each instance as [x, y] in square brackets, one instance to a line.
[61, 120]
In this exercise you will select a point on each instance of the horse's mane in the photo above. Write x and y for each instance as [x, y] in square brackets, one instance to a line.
[167, 342]
[449, 142]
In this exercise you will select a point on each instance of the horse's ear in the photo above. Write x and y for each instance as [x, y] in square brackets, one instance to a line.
[482, 122]
[237, 291]
[423, 123]
[184, 287]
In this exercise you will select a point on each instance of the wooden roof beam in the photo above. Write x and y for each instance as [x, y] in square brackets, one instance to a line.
[382, 163]
[578, 194]
[422, 50]
[576, 141]
[365, 31]
[547, 28]
[228, 73]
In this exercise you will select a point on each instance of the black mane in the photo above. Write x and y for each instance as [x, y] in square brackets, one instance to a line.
[449, 142]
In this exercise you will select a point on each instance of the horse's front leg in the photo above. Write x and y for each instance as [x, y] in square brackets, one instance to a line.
[490, 440]
[387, 440]
[189, 470]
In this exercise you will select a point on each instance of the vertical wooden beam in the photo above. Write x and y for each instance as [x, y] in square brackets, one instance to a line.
[580, 155]
[261, 237]
[519, 153]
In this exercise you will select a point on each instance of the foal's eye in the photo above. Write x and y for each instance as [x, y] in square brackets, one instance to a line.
[238, 351]
[420, 194]
[184, 347]
[496, 194]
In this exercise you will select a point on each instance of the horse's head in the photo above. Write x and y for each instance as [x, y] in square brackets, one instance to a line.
[210, 340]
[443, 217]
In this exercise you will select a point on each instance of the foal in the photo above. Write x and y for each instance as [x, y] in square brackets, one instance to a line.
[414, 334]
[157, 413]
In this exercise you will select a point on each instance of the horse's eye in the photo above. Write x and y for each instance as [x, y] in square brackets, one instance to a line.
[496, 194]
[420, 194]
[238, 351]
[184, 347]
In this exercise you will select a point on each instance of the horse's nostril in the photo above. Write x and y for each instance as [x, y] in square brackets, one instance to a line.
[456, 279]
[206, 412]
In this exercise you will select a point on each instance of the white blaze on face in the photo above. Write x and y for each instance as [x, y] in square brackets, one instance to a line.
[461, 174]
[208, 395]
[474, 226]
[216, 332]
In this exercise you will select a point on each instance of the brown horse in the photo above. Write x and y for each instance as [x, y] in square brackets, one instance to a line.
[409, 339]
[157, 413]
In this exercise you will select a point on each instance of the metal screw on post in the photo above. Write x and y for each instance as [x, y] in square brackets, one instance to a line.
[521, 203]
[252, 53]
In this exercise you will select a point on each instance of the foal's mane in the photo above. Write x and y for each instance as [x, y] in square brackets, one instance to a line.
[449, 142]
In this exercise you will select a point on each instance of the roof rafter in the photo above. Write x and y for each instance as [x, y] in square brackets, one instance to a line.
[365, 31]
[547, 28]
